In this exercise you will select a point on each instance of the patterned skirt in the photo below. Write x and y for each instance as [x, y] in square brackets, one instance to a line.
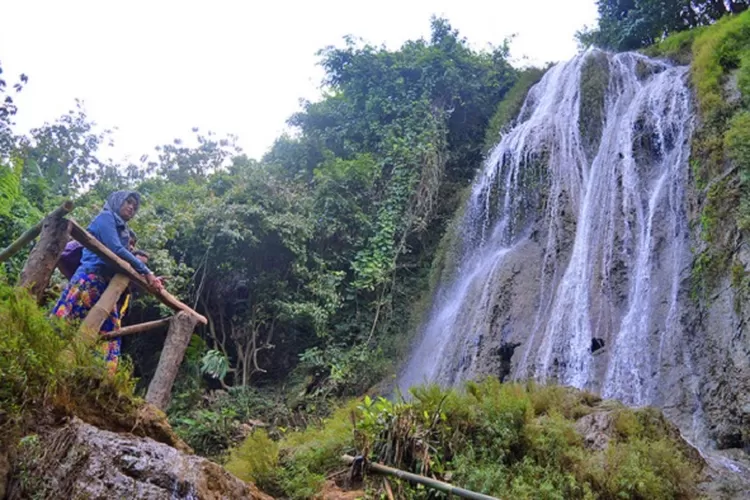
[76, 301]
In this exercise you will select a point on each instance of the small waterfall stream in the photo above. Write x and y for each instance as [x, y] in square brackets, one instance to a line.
[575, 232]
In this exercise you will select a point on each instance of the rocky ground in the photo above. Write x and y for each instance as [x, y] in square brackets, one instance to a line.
[80, 460]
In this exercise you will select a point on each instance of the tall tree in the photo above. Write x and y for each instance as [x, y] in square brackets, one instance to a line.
[632, 24]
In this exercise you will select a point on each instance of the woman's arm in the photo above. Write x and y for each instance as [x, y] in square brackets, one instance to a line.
[109, 237]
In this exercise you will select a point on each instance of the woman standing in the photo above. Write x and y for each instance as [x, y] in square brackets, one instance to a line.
[93, 274]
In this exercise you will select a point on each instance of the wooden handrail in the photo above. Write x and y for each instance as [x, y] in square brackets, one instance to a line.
[139, 328]
[33, 232]
[87, 240]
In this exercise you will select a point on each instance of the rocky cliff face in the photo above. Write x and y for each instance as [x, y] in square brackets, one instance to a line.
[577, 256]
[83, 461]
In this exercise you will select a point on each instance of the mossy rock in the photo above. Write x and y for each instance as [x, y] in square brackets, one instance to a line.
[594, 82]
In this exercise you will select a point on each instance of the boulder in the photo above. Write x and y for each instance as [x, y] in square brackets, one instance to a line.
[596, 429]
[83, 461]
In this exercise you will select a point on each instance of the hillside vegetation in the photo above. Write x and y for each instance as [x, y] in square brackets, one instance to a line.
[507, 440]
[720, 156]
[315, 264]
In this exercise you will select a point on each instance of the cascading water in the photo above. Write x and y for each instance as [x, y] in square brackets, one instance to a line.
[575, 234]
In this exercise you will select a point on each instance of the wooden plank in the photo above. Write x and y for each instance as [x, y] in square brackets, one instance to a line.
[33, 232]
[160, 389]
[139, 328]
[103, 308]
[87, 240]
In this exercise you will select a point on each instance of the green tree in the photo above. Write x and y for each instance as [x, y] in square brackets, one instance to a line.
[632, 24]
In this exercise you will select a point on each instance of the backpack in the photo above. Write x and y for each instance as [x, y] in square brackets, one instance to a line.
[70, 258]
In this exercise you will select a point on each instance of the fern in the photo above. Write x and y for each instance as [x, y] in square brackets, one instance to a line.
[10, 186]
[215, 364]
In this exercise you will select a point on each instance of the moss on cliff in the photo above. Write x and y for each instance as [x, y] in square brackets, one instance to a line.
[594, 82]
[509, 107]
[720, 156]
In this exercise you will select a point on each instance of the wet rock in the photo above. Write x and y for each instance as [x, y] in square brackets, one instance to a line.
[596, 429]
[505, 352]
[82, 461]
[596, 344]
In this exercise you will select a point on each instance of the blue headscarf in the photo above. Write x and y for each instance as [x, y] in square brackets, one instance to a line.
[115, 201]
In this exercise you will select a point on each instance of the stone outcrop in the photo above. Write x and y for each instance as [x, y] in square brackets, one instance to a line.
[581, 246]
[83, 461]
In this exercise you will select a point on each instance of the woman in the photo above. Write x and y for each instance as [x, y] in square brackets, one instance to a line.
[93, 274]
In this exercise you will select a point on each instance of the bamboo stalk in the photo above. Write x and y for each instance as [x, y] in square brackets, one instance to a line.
[426, 481]
[139, 328]
[103, 308]
[87, 240]
[33, 232]
[388, 490]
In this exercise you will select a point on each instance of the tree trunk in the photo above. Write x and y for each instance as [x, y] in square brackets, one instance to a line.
[103, 308]
[178, 338]
[32, 233]
[43, 257]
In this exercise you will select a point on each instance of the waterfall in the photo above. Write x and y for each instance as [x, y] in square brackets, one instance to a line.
[574, 241]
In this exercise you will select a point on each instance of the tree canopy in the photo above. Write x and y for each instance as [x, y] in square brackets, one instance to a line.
[310, 259]
[632, 24]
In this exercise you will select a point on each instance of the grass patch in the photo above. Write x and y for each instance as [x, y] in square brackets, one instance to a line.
[37, 378]
[678, 47]
[509, 440]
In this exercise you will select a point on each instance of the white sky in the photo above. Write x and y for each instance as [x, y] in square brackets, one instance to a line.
[155, 69]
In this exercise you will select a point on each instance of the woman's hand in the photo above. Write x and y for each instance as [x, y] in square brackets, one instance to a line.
[154, 282]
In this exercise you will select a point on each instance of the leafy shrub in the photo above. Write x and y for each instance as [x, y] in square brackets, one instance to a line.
[255, 460]
[212, 424]
[509, 440]
[208, 432]
[42, 365]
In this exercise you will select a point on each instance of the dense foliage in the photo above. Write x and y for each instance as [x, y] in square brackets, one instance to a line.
[312, 263]
[307, 262]
[507, 440]
[633, 24]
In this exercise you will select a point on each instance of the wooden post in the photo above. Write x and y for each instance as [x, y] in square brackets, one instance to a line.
[180, 330]
[103, 308]
[43, 257]
[32, 233]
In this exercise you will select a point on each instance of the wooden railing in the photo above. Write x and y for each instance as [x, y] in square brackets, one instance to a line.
[54, 232]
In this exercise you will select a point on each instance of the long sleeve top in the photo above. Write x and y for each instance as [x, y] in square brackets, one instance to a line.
[115, 236]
